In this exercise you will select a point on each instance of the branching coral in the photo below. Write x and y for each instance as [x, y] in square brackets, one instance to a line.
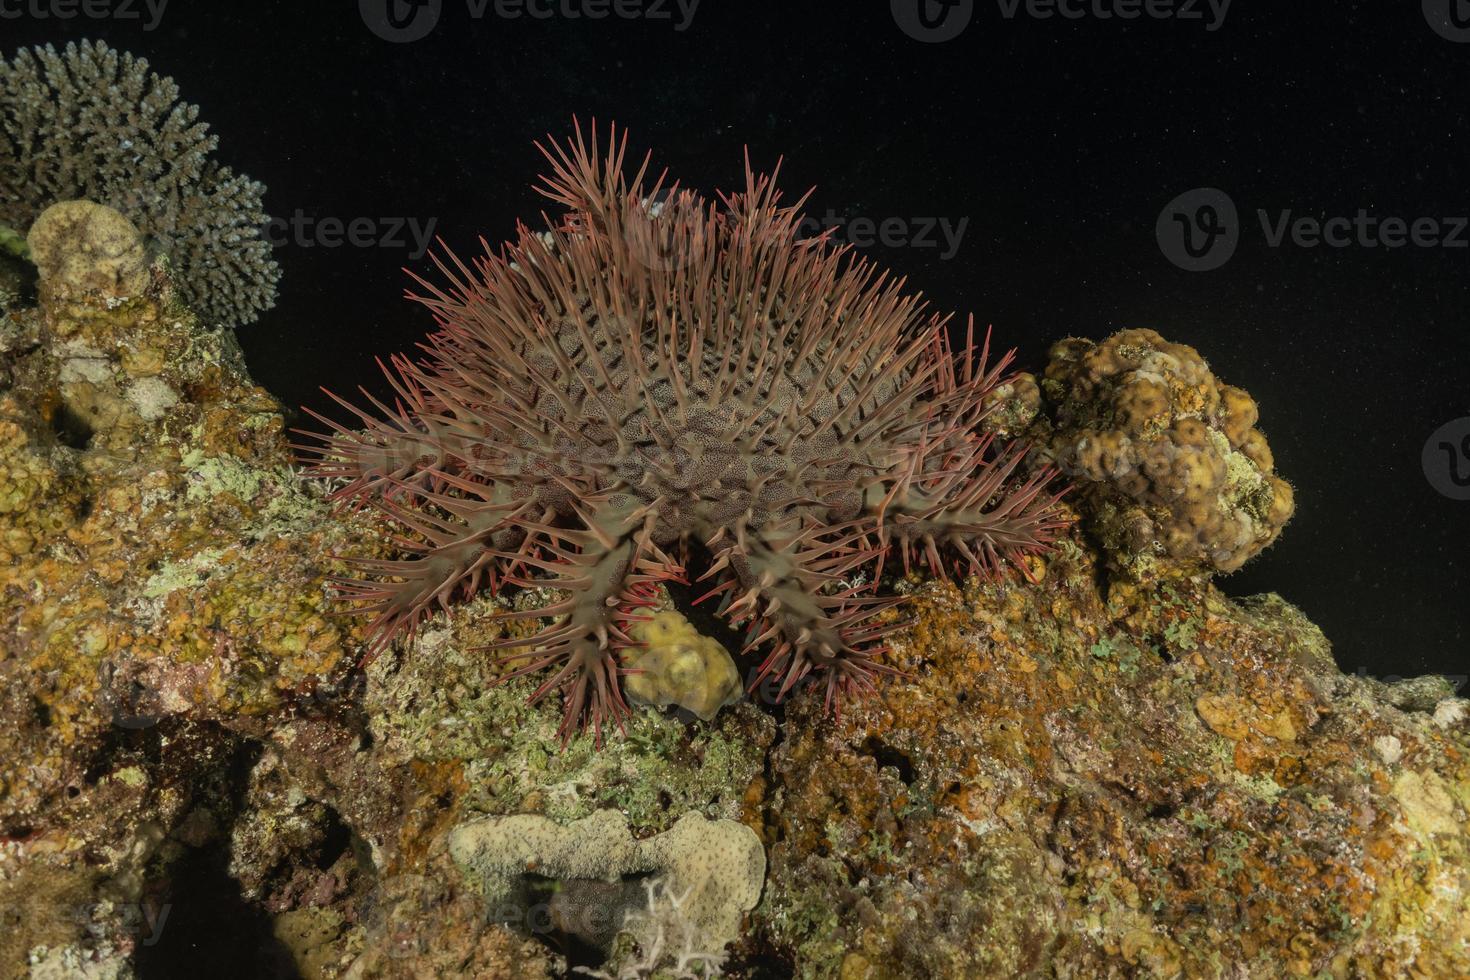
[669, 945]
[602, 398]
[90, 122]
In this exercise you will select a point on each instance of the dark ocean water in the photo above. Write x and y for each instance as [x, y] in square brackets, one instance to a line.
[1047, 146]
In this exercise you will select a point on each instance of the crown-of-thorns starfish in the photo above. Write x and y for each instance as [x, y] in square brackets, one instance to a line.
[658, 369]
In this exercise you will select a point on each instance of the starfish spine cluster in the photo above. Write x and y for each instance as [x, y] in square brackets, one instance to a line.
[659, 378]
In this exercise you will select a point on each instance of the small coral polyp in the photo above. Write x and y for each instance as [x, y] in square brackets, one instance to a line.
[659, 369]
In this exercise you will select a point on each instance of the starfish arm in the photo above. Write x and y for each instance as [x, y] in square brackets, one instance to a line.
[785, 584]
[608, 570]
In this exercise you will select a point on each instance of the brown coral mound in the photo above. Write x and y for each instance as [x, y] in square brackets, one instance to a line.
[80, 247]
[1170, 466]
[647, 374]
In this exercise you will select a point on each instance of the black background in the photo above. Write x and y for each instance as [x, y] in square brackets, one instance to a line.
[1059, 140]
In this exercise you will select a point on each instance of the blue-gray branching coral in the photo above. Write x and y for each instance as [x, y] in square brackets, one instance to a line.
[657, 369]
[91, 122]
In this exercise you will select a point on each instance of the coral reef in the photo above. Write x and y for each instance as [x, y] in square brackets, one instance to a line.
[1075, 776]
[1172, 476]
[1163, 785]
[91, 123]
[669, 942]
[773, 400]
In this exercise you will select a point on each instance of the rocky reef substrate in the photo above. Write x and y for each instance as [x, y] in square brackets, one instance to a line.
[1113, 770]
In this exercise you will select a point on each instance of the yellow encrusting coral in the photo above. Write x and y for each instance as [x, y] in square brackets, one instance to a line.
[678, 666]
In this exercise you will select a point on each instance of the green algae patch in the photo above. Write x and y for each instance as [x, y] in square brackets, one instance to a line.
[440, 703]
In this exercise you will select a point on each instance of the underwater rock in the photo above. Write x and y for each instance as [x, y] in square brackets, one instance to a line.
[1179, 785]
[680, 667]
[1171, 474]
[715, 868]
[1131, 778]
